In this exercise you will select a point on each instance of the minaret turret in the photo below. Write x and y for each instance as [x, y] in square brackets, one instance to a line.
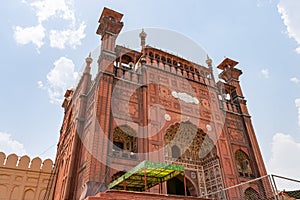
[231, 75]
[109, 28]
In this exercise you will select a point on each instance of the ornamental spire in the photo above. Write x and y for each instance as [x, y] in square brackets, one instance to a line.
[88, 62]
[143, 36]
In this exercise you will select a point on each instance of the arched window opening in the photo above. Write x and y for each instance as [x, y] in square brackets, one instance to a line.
[124, 142]
[126, 59]
[175, 152]
[151, 54]
[157, 57]
[126, 62]
[174, 63]
[243, 163]
[169, 61]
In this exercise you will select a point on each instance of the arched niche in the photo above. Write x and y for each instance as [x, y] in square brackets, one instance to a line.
[175, 151]
[15, 193]
[28, 194]
[242, 163]
[42, 194]
[251, 194]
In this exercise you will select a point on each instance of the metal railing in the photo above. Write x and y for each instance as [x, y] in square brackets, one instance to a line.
[269, 187]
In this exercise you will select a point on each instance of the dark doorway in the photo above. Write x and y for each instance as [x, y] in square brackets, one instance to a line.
[176, 186]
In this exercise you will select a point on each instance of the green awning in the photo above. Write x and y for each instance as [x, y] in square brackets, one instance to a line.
[154, 172]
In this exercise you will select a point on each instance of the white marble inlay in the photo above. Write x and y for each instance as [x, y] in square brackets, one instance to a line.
[185, 97]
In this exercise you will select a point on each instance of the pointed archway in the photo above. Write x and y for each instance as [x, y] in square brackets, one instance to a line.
[175, 186]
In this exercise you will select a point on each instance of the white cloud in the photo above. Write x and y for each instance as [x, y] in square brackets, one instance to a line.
[261, 3]
[9, 145]
[265, 73]
[295, 80]
[54, 8]
[40, 85]
[69, 37]
[34, 34]
[297, 102]
[289, 10]
[285, 160]
[285, 150]
[59, 10]
[62, 77]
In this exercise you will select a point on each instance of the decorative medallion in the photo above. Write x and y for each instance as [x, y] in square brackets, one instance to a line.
[208, 127]
[167, 117]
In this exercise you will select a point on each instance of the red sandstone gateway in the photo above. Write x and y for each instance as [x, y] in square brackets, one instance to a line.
[152, 106]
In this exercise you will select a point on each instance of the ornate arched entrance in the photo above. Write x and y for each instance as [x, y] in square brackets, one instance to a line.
[186, 141]
[186, 144]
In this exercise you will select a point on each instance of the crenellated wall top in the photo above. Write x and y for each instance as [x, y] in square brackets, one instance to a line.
[25, 163]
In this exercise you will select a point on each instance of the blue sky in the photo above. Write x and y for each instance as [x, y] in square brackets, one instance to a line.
[44, 43]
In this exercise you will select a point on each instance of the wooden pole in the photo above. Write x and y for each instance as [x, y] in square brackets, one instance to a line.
[124, 185]
[145, 179]
[160, 187]
[184, 183]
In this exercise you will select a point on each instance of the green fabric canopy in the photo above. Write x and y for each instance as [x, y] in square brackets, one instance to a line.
[154, 172]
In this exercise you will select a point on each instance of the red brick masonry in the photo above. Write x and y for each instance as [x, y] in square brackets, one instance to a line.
[124, 195]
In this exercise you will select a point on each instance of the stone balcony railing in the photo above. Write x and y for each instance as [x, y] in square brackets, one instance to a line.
[124, 154]
[231, 107]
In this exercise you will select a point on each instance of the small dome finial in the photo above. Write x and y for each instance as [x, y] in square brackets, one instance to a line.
[89, 59]
[143, 36]
[208, 61]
